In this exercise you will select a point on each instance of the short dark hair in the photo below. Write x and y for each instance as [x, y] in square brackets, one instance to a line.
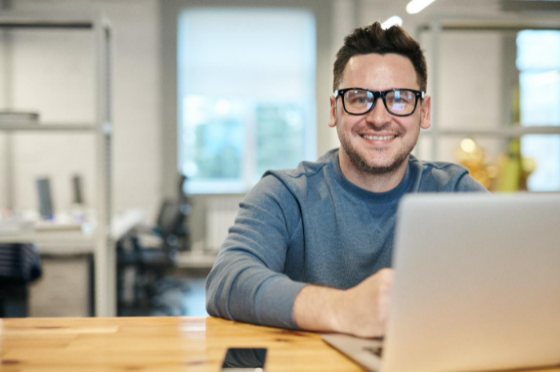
[374, 39]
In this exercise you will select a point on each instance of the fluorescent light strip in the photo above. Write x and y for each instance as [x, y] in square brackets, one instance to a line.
[394, 20]
[416, 6]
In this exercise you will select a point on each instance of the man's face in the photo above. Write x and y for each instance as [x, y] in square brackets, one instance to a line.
[378, 142]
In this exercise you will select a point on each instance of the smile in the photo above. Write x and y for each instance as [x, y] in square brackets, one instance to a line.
[378, 138]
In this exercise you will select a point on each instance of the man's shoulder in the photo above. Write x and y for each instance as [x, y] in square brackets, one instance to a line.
[304, 171]
[437, 167]
[443, 176]
[287, 189]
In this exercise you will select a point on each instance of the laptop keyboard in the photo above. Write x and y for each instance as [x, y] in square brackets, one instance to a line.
[375, 350]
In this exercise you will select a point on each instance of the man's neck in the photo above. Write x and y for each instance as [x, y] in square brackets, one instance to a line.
[371, 182]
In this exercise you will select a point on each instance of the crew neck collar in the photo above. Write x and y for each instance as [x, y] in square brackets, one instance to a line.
[375, 197]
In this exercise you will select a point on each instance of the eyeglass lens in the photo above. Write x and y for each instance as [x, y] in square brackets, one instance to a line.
[398, 102]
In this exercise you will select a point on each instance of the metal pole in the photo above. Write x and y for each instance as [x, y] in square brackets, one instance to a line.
[9, 104]
[105, 257]
[436, 30]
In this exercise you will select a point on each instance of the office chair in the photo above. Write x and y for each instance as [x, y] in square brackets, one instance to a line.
[150, 264]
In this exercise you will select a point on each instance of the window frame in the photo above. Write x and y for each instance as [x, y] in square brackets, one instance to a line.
[524, 143]
[246, 107]
[170, 11]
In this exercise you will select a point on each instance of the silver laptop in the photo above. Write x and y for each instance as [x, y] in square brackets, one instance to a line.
[477, 286]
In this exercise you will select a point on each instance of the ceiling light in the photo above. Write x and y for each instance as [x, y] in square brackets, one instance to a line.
[416, 6]
[394, 20]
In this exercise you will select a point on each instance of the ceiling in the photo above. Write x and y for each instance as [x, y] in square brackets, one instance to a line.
[530, 5]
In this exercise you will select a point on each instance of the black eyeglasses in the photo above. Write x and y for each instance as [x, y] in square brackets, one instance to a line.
[399, 102]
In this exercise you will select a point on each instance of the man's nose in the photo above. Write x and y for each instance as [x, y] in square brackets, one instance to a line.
[379, 114]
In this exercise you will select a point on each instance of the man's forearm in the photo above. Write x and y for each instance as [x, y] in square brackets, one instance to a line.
[361, 310]
[318, 308]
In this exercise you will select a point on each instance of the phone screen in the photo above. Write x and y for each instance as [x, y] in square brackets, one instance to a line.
[244, 358]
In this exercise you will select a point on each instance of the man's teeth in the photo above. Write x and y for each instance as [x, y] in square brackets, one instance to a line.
[379, 138]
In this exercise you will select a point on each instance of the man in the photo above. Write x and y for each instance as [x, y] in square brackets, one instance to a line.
[311, 248]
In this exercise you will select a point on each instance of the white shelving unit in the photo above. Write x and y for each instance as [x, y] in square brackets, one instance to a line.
[439, 25]
[100, 242]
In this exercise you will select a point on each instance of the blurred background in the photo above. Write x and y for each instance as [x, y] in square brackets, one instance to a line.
[131, 129]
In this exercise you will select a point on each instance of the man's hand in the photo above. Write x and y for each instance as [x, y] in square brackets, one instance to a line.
[365, 309]
[361, 310]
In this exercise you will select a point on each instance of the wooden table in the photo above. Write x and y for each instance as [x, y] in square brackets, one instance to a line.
[155, 344]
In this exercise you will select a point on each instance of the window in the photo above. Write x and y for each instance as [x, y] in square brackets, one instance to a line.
[538, 60]
[246, 95]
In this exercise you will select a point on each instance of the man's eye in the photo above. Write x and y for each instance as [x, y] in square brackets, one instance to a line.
[359, 100]
[402, 97]
[395, 99]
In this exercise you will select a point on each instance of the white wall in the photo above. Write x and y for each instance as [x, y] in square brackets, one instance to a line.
[53, 71]
[470, 88]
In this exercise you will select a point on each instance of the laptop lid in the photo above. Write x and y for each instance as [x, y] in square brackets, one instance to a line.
[477, 284]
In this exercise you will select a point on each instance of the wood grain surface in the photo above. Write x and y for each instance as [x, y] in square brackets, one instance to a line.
[155, 344]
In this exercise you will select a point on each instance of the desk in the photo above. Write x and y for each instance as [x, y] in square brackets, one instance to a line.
[75, 242]
[155, 344]
[196, 260]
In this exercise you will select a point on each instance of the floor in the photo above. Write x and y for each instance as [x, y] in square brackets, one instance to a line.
[173, 295]
[195, 298]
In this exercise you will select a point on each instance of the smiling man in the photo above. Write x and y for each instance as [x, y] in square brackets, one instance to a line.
[377, 139]
[311, 248]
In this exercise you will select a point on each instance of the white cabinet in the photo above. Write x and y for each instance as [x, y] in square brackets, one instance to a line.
[64, 287]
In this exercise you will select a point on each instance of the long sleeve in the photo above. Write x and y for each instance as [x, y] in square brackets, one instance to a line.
[247, 282]
[312, 225]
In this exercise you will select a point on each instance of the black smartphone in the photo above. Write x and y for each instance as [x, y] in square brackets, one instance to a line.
[244, 359]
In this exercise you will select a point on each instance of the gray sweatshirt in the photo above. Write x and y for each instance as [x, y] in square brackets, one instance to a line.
[312, 225]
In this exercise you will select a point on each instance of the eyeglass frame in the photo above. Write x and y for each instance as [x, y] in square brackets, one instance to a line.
[380, 94]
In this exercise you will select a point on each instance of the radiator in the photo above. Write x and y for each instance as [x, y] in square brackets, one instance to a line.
[220, 216]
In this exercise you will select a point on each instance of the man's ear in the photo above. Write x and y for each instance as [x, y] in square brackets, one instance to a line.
[425, 115]
[332, 118]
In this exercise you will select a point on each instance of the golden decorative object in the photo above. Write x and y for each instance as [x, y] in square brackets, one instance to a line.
[473, 157]
[510, 172]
